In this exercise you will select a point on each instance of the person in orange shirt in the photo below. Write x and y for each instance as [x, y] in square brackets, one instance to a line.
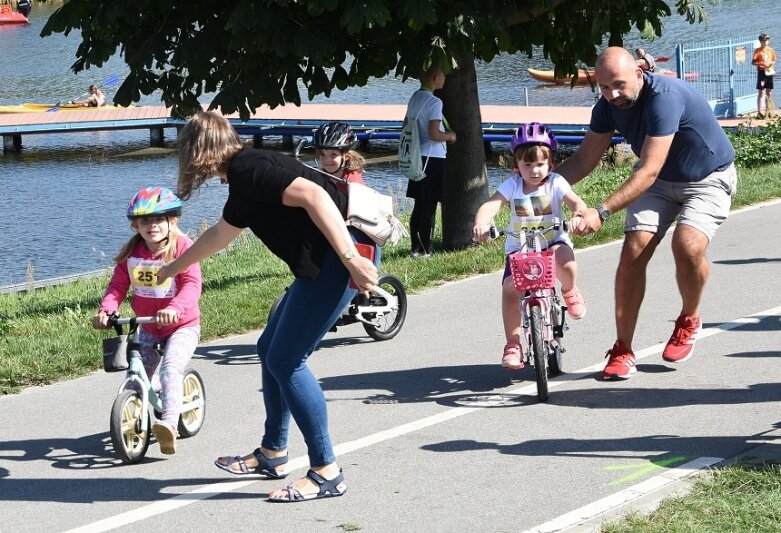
[764, 59]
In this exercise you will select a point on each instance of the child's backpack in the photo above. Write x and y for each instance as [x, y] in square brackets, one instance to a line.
[410, 164]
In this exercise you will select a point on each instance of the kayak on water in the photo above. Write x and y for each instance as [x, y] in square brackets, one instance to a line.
[33, 107]
[586, 76]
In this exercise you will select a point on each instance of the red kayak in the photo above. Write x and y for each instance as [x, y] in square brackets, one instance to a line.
[8, 16]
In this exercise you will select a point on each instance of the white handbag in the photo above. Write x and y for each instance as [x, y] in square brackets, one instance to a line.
[370, 212]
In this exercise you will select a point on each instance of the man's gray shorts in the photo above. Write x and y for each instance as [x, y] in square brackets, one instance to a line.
[703, 205]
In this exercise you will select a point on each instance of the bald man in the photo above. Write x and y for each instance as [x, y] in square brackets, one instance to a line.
[685, 172]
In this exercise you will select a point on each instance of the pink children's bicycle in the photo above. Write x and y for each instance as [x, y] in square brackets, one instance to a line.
[543, 319]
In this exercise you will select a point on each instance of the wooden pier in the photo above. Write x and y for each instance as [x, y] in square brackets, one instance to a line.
[369, 120]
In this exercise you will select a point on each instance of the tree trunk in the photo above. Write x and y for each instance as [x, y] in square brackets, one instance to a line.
[466, 182]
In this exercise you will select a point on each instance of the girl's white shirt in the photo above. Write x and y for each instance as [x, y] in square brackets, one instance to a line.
[534, 209]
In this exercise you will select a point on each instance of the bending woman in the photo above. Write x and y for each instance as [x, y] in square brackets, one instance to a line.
[299, 214]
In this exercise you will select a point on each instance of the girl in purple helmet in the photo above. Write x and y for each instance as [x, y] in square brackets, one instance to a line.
[153, 213]
[533, 191]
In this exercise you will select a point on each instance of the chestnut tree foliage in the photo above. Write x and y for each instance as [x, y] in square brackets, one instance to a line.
[254, 52]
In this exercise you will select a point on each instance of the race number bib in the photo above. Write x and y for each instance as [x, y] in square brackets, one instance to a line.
[143, 278]
[527, 224]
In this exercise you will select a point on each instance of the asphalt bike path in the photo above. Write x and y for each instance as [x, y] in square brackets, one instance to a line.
[431, 432]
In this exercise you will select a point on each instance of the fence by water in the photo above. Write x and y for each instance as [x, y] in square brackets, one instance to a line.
[722, 72]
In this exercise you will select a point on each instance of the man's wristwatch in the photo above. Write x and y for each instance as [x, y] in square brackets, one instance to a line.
[604, 213]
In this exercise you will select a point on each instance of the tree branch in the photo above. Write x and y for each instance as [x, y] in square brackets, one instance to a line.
[522, 15]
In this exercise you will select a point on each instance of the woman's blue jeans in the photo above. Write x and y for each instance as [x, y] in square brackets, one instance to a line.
[307, 312]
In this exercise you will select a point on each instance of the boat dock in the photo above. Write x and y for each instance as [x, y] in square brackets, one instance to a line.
[369, 120]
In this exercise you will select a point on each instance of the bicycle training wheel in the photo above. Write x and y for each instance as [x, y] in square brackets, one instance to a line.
[389, 324]
[540, 353]
[191, 422]
[130, 443]
[554, 352]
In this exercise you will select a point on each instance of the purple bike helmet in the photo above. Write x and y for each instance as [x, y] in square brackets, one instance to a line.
[154, 202]
[533, 133]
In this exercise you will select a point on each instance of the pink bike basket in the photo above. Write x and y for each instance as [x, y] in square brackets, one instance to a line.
[533, 270]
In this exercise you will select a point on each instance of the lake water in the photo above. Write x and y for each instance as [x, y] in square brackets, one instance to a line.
[64, 196]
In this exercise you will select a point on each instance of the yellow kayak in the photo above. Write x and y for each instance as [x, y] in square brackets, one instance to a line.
[32, 107]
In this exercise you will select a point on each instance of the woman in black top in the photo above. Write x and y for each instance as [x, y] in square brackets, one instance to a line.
[299, 214]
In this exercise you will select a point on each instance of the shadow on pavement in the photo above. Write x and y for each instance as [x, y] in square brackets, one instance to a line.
[654, 447]
[246, 354]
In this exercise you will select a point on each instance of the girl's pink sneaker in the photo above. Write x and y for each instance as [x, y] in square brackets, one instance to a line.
[576, 305]
[512, 358]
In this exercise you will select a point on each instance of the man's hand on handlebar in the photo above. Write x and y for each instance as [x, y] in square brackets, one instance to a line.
[589, 222]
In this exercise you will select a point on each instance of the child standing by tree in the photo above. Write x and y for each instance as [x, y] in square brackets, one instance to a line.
[153, 213]
[533, 191]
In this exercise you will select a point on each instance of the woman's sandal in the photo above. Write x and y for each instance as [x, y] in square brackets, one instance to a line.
[267, 467]
[329, 488]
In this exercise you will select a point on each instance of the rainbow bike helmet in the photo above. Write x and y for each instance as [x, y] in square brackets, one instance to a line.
[154, 202]
[334, 136]
[533, 133]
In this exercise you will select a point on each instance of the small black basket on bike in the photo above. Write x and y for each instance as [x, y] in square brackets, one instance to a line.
[115, 352]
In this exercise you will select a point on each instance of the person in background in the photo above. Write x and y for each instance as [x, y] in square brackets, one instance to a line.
[153, 213]
[299, 214]
[685, 172]
[334, 144]
[764, 59]
[96, 98]
[435, 135]
[24, 7]
[645, 61]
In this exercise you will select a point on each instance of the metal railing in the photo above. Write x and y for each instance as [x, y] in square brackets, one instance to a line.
[722, 72]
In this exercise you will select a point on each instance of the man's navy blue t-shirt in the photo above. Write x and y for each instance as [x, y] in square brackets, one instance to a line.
[669, 106]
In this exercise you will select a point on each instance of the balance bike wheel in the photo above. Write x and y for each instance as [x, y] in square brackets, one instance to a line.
[390, 324]
[130, 443]
[191, 422]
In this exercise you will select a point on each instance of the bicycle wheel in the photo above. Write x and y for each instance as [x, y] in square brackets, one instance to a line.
[190, 422]
[130, 443]
[389, 324]
[540, 353]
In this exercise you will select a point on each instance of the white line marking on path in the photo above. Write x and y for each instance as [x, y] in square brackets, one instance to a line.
[624, 497]
[223, 487]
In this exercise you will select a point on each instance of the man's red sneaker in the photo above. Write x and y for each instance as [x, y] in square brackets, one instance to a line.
[621, 362]
[681, 345]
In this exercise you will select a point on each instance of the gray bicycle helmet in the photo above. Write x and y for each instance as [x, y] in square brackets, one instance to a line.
[334, 136]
